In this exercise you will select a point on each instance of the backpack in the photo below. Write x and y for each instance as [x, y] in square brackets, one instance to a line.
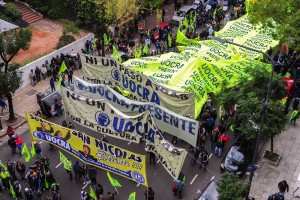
[181, 177]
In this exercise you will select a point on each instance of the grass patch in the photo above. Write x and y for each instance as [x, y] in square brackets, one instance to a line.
[271, 156]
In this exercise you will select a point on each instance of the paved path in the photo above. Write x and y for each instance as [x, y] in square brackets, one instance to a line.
[267, 176]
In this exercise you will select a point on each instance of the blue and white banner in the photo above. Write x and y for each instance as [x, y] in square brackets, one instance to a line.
[164, 119]
[141, 86]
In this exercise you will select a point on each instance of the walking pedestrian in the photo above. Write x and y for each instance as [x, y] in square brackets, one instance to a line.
[218, 149]
[152, 158]
[19, 143]
[295, 103]
[44, 71]
[149, 193]
[163, 15]
[76, 169]
[2, 105]
[214, 138]
[38, 150]
[21, 169]
[204, 160]
[99, 190]
[11, 167]
[283, 186]
[196, 155]
[17, 189]
[28, 194]
[70, 76]
[12, 143]
[52, 84]
[37, 72]
[32, 77]
[111, 196]
[10, 131]
[70, 125]
[93, 175]
[294, 117]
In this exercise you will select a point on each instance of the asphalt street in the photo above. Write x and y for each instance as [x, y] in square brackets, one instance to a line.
[158, 178]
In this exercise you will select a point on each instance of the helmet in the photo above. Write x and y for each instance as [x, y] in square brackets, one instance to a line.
[83, 192]
[26, 189]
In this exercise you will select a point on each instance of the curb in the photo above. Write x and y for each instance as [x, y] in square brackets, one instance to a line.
[1, 136]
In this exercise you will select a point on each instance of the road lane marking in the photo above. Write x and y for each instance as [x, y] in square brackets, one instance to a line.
[158, 161]
[212, 178]
[194, 179]
[58, 165]
[138, 185]
[210, 156]
[40, 142]
[86, 184]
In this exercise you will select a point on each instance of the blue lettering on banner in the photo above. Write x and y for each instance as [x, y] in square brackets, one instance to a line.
[119, 124]
[53, 139]
[155, 111]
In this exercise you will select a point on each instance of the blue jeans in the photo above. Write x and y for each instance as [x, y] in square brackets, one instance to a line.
[218, 151]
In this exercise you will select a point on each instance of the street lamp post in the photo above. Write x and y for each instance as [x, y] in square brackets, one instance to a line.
[265, 103]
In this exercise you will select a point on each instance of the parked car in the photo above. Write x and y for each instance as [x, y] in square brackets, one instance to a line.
[238, 157]
[210, 192]
[180, 14]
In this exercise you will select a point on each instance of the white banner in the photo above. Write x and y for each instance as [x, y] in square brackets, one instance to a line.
[171, 157]
[165, 120]
[142, 87]
[102, 117]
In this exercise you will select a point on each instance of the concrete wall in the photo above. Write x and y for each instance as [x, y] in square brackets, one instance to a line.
[76, 46]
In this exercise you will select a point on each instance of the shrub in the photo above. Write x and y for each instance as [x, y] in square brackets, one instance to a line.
[54, 14]
[70, 28]
[12, 11]
[13, 66]
[43, 9]
[65, 40]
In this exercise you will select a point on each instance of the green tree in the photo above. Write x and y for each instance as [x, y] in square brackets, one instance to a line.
[231, 187]
[9, 83]
[284, 15]
[10, 44]
[248, 97]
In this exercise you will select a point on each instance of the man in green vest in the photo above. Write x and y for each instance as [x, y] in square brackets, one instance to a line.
[4, 175]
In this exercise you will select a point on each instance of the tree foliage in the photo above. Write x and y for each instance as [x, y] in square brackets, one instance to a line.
[248, 97]
[231, 187]
[10, 81]
[12, 42]
[284, 15]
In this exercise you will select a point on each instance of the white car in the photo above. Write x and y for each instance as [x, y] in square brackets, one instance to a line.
[180, 14]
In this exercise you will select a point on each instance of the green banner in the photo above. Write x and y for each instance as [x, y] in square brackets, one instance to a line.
[65, 161]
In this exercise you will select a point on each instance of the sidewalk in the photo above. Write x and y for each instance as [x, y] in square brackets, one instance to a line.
[266, 178]
[25, 101]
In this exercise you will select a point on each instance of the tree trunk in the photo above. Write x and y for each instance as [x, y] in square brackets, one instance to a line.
[10, 107]
[272, 144]
[102, 45]
[5, 66]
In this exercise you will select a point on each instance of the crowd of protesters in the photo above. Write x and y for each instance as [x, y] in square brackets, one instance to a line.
[213, 125]
[50, 70]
